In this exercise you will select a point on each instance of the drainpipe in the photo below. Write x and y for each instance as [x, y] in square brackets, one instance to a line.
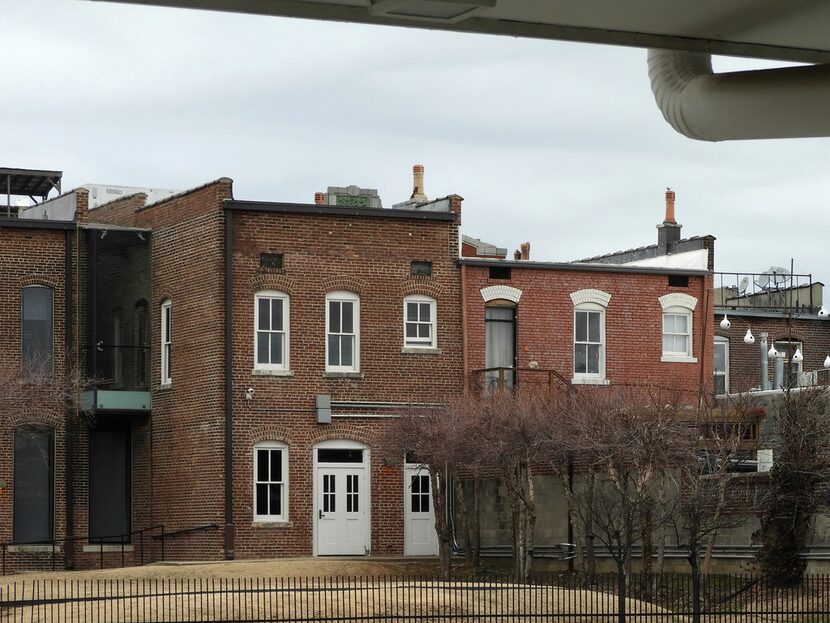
[764, 362]
[790, 102]
[229, 527]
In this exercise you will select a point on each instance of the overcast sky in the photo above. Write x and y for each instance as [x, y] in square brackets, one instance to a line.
[557, 143]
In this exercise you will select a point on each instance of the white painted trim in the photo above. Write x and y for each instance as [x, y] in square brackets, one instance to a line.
[432, 344]
[719, 339]
[508, 293]
[367, 463]
[166, 377]
[678, 299]
[590, 295]
[283, 447]
[344, 296]
[286, 326]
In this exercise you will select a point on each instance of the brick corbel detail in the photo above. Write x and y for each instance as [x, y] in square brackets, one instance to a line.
[420, 286]
[343, 282]
[272, 281]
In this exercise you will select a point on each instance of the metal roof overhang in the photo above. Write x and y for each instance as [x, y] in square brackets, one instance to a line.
[795, 30]
[27, 182]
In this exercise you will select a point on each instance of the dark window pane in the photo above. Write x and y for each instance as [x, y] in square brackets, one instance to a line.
[276, 465]
[415, 503]
[425, 503]
[499, 313]
[33, 484]
[416, 484]
[276, 314]
[262, 465]
[262, 347]
[423, 330]
[37, 330]
[262, 499]
[580, 357]
[355, 502]
[275, 501]
[334, 350]
[337, 455]
[264, 315]
[334, 317]
[411, 311]
[720, 384]
[348, 503]
[593, 327]
[276, 348]
[424, 315]
[348, 317]
[581, 333]
[347, 348]
[411, 329]
[593, 359]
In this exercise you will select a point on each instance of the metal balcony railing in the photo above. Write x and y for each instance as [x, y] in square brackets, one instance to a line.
[772, 290]
[122, 367]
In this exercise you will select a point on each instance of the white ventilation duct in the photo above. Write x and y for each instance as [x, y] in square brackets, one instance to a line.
[791, 102]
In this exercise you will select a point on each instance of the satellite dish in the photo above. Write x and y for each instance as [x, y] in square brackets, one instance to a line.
[778, 275]
[743, 286]
[763, 280]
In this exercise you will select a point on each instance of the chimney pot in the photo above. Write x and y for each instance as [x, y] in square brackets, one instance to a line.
[524, 250]
[319, 198]
[669, 206]
[418, 183]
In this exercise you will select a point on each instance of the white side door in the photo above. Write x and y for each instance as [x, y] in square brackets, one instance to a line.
[419, 517]
[341, 511]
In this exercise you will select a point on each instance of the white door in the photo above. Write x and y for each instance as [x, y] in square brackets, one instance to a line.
[341, 511]
[419, 519]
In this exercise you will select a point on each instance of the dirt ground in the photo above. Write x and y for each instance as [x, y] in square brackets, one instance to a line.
[278, 568]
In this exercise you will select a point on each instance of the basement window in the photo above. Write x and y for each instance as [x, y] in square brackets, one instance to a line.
[678, 281]
[499, 272]
[420, 269]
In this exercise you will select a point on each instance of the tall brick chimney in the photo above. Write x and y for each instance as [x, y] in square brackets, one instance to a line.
[319, 198]
[418, 183]
[524, 250]
[668, 232]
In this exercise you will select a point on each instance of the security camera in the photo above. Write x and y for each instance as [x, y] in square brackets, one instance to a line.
[249, 393]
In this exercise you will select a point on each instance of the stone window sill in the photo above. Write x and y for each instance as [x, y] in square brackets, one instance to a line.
[343, 375]
[414, 350]
[585, 380]
[33, 549]
[678, 359]
[264, 372]
[92, 548]
[164, 386]
[272, 524]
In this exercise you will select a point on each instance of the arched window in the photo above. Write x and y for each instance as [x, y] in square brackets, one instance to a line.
[271, 333]
[589, 335]
[678, 312]
[34, 483]
[38, 330]
[342, 332]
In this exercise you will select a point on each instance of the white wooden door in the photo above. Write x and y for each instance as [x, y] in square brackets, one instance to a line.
[341, 511]
[419, 518]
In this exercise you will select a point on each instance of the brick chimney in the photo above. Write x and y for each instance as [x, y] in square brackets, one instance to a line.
[524, 250]
[319, 198]
[668, 232]
[418, 183]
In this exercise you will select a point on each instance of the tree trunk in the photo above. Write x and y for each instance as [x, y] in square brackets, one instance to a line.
[442, 527]
[476, 531]
[458, 489]
[590, 515]
[646, 537]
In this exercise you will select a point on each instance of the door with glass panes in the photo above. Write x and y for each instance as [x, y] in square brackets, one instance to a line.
[342, 502]
[419, 517]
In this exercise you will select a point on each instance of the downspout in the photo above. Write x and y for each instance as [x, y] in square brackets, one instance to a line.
[229, 527]
[465, 378]
[790, 102]
[69, 427]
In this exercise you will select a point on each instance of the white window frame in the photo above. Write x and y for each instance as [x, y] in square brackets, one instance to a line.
[283, 516]
[725, 341]
[432, 340]
[286, 325]
[166, 341]
[343, 296]
[678, 356]
[590, 377]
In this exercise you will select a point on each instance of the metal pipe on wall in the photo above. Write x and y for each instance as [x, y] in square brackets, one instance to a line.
[764, 362]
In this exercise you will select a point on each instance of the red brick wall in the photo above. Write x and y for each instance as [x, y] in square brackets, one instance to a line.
[28, 257]
[633, 324]
[371, 257]
[745, 360]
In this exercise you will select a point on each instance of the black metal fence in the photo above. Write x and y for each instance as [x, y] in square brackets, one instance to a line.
[647, 599]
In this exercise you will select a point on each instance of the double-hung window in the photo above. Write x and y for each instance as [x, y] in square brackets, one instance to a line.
[677, 332]
[589, 335]
[34, 483]
[419, 322]
[721, 371]
[166, 342]
[342, 332]
[270, 481]
[271, 322]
